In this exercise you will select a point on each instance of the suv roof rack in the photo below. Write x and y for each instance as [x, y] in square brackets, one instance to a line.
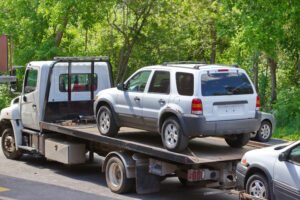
[184, 62]
[82, 58]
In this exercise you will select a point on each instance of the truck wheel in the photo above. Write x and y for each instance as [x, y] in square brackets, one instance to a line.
[172, 135]
[9, 145]
[257, 186]
[264, 133]
[106, 123]
[115, 175]
[237, 141]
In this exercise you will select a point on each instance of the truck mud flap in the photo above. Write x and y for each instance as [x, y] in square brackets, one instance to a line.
[145, 182]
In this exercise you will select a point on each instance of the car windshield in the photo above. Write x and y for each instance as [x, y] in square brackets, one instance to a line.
[217, 84]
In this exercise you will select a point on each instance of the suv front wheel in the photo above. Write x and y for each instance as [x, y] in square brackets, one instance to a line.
[172, 135]
[237, 141]
[106, 123]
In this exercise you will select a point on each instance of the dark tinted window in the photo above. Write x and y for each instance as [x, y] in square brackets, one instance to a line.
[295, 155]
[225, 84]
[31, 80]
[185, 84]
[160, 82]
[79, 82]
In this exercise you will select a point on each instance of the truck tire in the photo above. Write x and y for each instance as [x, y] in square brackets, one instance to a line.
[237, 141]
[257, 185]
[172, 135]
[115, 175]
[9, 145]
[264, 133]
[106, 123]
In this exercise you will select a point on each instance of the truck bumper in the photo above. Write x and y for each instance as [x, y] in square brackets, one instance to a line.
[240, 175]
[195, 125]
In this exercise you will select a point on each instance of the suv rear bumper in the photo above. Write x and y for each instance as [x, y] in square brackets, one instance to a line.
[195, 125]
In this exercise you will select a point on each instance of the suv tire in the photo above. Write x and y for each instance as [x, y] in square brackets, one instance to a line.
[172, 135]
[106, 123]
[237, 141]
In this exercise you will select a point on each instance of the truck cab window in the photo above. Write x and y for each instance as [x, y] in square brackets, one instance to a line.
[30, 81]
[79, 82]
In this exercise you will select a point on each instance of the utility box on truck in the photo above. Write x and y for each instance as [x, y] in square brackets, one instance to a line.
[64, 151]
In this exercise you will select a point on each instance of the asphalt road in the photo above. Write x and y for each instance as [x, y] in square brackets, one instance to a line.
[34, 178]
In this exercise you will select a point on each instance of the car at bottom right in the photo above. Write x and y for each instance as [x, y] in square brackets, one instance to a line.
[272, 172]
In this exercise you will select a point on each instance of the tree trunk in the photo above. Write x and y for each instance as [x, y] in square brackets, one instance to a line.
[86, 39]
[213, 35]
[273, 67]
[255, 70]
[61, 30]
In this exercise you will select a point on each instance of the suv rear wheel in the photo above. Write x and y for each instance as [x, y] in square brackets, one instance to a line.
[106, 123]
[237, 141]
[172, 135]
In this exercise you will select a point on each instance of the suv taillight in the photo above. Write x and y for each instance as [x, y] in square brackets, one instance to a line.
[197, 107]
[257, 103]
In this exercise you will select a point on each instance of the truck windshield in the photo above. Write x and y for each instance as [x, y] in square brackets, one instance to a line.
[217, 84]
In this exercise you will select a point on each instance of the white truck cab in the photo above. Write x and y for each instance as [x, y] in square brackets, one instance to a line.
[53, 90]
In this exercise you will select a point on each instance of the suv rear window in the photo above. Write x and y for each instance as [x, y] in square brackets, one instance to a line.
[217, 84]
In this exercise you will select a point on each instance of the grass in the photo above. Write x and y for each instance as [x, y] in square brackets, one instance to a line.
[287, 133]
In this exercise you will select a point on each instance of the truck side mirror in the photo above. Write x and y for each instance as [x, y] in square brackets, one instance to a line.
[121, 86]
[282, 157]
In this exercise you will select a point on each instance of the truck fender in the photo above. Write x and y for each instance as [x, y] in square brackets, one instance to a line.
[127, 160]
[175, 111]
[17, 127]
[11, 113]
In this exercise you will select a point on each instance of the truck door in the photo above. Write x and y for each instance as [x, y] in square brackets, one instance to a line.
[29, 99]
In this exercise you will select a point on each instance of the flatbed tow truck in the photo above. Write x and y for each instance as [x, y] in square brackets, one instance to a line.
[52, 119]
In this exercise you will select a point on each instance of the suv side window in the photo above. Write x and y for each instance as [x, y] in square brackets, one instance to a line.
[160, 82]
[295, 155]
[30, 80]
[185, 83]
[138, 82]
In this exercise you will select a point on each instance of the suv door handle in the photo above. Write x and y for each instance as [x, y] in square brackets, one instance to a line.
[137, 99]
[161, 101]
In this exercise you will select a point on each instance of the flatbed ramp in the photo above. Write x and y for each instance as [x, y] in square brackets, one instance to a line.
[200, 150]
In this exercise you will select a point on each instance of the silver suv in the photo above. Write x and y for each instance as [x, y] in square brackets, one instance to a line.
[182, 101]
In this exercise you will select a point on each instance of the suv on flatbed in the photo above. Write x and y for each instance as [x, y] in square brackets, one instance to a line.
[182, 101]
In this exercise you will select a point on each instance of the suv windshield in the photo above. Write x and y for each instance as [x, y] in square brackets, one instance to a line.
[217, 84]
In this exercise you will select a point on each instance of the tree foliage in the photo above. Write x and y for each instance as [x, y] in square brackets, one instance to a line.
[261, 36]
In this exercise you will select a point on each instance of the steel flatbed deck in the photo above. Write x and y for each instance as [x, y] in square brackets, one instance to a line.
[200, 150]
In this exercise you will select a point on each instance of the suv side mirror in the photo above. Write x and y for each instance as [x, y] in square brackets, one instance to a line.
[282, 156]
[121, 86]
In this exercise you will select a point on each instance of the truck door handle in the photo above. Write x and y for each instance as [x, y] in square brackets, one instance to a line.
[161, 101]
[34, 106]
[24, 98]
[137, 99]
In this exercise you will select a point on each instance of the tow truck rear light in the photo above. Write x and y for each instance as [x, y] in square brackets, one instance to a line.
[194, 175]
[197, 107]
[257, 103]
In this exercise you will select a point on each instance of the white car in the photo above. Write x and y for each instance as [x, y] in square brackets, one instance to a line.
[272, 172]
[182, 101]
